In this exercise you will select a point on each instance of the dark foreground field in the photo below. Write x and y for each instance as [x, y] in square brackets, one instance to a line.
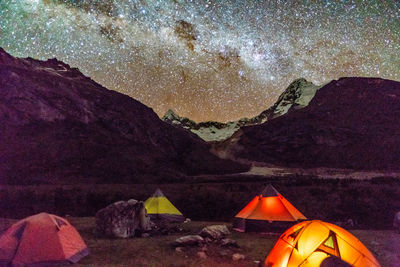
[370, 203]
[157, 251]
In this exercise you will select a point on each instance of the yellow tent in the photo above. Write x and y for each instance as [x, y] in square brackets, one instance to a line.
[160, 208]
[309, 243]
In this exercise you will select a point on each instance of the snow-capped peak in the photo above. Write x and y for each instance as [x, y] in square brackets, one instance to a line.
[170, 115]
[298, 95]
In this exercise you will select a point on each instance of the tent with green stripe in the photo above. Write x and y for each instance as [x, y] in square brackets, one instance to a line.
[160, 208]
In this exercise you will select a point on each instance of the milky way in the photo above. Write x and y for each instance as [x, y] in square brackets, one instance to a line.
[208, 60]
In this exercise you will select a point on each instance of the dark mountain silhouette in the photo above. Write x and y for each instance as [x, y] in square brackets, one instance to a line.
[58, 126]
[350, 123]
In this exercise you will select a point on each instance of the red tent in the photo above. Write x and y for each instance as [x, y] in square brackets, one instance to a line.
[268, 211]
[41, 240]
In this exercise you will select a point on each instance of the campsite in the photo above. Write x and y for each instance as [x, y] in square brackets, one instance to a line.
[255, 246]
[181, 133]
[219, 206]
[157, 251]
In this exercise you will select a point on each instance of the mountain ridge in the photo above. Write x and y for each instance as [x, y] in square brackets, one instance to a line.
[351, 123]
[59, 126]
[296, 96]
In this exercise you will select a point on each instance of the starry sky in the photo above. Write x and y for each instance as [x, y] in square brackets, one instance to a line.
[207, 60]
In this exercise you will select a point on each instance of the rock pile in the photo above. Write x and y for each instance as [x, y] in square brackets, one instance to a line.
[211, 239]
[215, 232]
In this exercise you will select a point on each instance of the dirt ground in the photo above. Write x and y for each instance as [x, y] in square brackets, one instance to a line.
[157, 250]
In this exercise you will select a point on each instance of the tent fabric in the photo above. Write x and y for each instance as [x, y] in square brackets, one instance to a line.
[41, 240]
[269, 191]
[310, 243]
[159, 207]
[263, 210]
[158, 193]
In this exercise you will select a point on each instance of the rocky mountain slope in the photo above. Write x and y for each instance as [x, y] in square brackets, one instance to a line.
[208, 131]
[350, 123]
[58, 126]
[296, 96]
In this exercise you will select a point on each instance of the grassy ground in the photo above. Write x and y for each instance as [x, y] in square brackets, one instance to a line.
[157, 251]
[371, 204]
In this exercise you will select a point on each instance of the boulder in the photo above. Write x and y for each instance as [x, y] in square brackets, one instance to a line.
[227, 242]
[238, 256]
[396, 221]
[122, 219]
[214, 232]
[188, 240]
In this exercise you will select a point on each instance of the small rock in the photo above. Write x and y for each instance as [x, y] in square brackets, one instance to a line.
[145, 235]
[202, 255]
[179, 250]
[227, 242]
[188, 240]
[238, 256]
[215, 231]
[257, 262]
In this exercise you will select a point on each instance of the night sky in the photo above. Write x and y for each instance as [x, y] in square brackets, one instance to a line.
[207, 60]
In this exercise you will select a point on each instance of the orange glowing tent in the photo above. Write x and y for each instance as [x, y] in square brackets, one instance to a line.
[41, 240]
[309, 243]
[268, 211]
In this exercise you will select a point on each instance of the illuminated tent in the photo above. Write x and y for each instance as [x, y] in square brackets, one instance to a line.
[308, 243]
[41, 240]
[160, 208]
[268, 211]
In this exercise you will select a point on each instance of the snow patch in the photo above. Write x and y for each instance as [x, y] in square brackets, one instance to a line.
[296, 96]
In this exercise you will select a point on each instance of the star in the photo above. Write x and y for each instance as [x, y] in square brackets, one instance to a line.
[207, 60]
